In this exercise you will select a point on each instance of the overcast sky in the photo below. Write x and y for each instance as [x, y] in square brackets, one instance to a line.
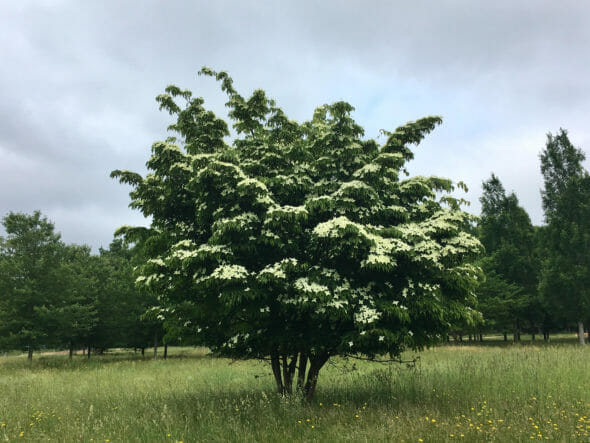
[78, 81]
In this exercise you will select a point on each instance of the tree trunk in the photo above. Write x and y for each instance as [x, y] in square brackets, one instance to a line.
[581, 339]
[286, 381]
[481, 337]
[30, 355]
[143, 352]
[505, 336]
[316, 363]
[165, 351]
[71, 349]
[155, 344]
[288, 372]
[276, 370]
[88, 353]
[533, 336]
[301, 372]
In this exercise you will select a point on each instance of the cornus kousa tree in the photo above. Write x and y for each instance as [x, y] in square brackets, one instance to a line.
[298, 242]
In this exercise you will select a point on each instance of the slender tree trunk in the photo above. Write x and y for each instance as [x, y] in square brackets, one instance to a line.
[533, 336]
[581, 338]
[301, 372]
[155, 344]
[288, 373]
[71, 349]
[286, 380]
[165, 351]
[316, 363]
[88, 351]
[276, 370]
[461, 338]
[30, 354]
[505, 336]
[481, 337]
[143, 352]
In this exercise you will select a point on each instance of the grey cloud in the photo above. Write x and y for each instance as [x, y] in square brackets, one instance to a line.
[79, 80]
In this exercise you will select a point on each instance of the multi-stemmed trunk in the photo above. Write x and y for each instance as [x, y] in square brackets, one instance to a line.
[284, 367]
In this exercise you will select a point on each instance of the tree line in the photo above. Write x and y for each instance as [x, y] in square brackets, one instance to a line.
[59, 296]
[537, 277]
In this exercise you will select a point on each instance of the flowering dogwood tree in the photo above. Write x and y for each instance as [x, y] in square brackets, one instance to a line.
[298, 242]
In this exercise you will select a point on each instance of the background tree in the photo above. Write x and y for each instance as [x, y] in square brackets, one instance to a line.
[565, 281]
[71, 314]
[300, 241]
[508, 298]
[30, 262]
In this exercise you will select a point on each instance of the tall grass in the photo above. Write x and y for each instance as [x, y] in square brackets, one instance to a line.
[469, 393]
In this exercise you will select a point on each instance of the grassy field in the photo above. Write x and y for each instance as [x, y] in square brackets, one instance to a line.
[469, 393]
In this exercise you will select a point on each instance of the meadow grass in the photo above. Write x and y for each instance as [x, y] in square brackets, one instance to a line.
[469, 393]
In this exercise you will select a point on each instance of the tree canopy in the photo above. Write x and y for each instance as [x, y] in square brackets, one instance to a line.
[29, 263]
[298, 242]
[509, 295]
[565, 278]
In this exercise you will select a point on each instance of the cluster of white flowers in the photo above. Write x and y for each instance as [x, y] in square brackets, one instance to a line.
[412, 231]
[377, 259]
[304, 285]
[183, 254]
[336, 303]
[428, 250]
[184, 227]
[366, 315]
[230, 272]
[157, 261]
[390, 159]
[368, 169]
[252, 183]
[147, 281]
[240, 221]
[332, 227]
[213, 249]
[353, 185]
[182, 166]
[293, 211]
[461, 243]
[183, 244]
[275, 270]
[265, 200]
